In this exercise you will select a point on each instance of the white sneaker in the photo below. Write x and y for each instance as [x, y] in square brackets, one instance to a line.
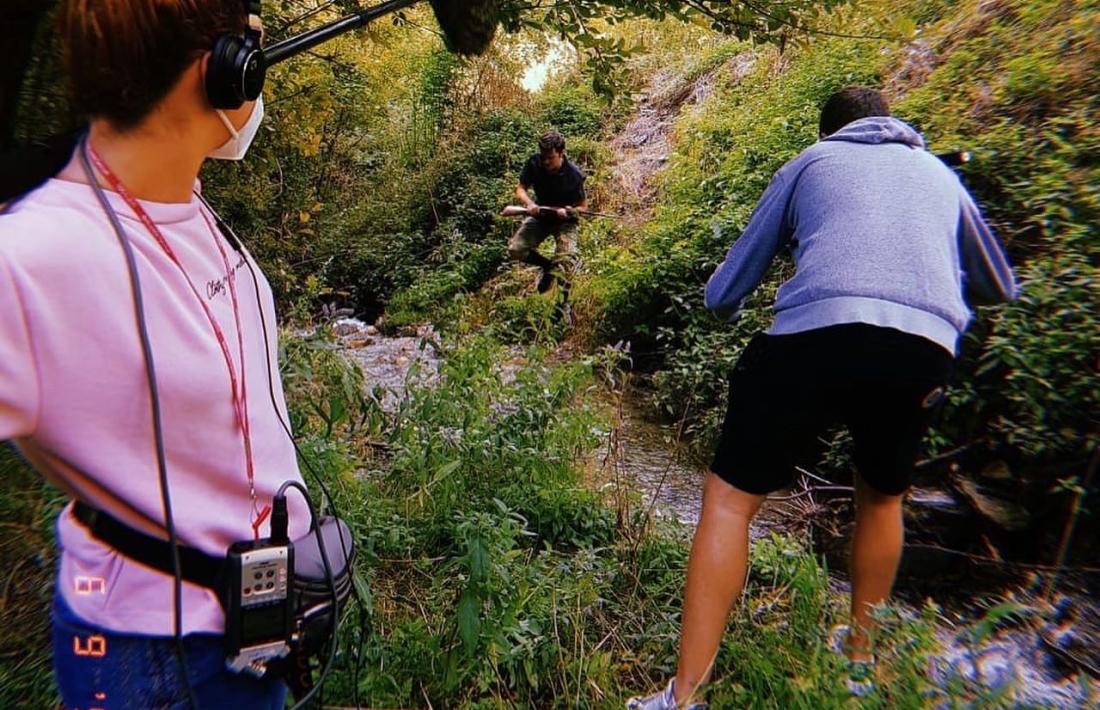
[662, 700]
[859, 676]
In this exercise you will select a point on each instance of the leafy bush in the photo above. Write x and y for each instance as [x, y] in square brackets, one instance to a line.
[1026, 390]
[573, 110]
[649, 290]
[493, 577]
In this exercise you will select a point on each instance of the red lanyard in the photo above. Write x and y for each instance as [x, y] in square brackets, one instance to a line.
[239, 392]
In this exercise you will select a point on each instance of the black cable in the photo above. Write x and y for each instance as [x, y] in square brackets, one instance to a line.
[324, 491]
[315, 524]
[239, 246]
[230, 235]
[158, 430]
[317, 528]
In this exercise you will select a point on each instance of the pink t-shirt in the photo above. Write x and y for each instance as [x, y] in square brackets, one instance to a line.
[75, 400]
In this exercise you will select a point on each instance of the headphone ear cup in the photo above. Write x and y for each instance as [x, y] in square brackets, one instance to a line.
[252, 69]
[221, 78]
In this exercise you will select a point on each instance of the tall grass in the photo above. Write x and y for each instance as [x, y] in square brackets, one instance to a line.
[496, 578]
[491, 575]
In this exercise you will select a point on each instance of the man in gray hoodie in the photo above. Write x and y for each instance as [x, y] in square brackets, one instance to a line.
[889, 250]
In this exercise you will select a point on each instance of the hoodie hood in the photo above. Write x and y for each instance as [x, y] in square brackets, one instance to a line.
[878, 129]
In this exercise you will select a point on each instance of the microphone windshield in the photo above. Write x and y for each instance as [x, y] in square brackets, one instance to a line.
[468, 27]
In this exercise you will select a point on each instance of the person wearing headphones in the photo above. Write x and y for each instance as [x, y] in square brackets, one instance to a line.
[166, 85]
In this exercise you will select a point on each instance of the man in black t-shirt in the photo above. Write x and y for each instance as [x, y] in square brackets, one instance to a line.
[559, 185]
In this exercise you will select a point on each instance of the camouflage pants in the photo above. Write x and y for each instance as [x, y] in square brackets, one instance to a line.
[533, 232]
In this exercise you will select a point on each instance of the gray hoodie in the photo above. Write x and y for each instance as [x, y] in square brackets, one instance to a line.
[882, 232]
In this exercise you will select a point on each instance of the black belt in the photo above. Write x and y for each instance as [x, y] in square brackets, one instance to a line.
[196, 566]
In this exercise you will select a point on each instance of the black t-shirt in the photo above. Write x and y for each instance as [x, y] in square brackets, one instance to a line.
[564, 188]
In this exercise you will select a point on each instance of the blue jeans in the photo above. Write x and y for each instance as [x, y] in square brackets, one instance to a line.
[96, 668]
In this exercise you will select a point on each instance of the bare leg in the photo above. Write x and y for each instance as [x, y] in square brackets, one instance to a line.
[715, 578]
[876, 551]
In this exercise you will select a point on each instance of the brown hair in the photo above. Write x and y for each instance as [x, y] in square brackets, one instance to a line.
[551, 142]
[123, 56]
[851, 104]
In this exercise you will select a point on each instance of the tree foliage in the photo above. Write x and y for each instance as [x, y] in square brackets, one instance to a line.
[580, 22]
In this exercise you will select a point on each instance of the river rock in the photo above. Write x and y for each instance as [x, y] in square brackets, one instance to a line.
[348, 326]
[1004, 513]
[997, 471]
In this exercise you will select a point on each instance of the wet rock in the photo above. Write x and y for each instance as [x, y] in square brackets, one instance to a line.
[386, 361]
[349, 326]
[1071, 635]
[1014, 663]
[330, 311]
[1002, 512]
[934, 498]
[997, 471]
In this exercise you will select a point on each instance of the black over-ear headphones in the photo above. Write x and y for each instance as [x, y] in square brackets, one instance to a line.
[237, 64]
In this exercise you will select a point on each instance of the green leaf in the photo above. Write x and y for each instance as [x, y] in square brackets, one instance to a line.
[337, 407]
[469, 623]
[362, 590]
[447, 469]
[478, 559]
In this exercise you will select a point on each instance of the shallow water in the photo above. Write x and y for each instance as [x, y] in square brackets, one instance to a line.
[1014, 660]
[650, 456]
[388, 361]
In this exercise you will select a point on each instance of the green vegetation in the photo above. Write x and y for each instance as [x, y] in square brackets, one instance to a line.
[1026, 391]
[492, 576]
[495, 578]
[501, 565]
[28, 508]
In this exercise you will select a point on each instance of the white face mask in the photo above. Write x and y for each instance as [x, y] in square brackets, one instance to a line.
[239, 140]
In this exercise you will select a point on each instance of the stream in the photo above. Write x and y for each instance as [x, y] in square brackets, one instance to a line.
[1015, 660]
[1024, 662]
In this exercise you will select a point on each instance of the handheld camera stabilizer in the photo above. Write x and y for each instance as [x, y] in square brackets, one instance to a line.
[521, 211]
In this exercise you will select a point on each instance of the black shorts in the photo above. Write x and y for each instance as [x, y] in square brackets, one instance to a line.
[883, 384]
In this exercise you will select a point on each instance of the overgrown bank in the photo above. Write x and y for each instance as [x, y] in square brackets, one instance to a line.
[493, 575]
[979, 77]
